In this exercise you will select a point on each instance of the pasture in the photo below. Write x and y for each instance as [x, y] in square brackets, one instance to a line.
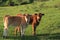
[49, 27]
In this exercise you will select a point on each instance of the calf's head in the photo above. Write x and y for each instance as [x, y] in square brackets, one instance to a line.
[39, 16]
[27, 18]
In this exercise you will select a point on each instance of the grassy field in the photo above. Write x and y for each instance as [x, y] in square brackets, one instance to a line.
[49, 27]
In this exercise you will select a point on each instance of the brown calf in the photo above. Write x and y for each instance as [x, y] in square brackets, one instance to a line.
[35, 20]
[15, 21]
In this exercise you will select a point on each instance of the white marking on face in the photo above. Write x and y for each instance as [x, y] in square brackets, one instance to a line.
[25, 18]
[37, 17]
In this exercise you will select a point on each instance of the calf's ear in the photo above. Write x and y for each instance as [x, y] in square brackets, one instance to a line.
[42, 14]
[35, 13]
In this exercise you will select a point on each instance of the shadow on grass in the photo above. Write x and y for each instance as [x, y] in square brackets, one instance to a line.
[37, 37]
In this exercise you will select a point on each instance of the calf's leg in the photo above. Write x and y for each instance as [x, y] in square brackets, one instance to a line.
[34, 29]
[5, 32]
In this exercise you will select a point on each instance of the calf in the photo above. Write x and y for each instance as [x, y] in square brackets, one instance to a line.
[15, 21]
[35, 20]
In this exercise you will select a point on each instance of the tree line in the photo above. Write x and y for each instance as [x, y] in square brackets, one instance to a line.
[16, 2]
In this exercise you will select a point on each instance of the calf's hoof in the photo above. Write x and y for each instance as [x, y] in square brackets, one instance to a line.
[5, 37]
[34, 34]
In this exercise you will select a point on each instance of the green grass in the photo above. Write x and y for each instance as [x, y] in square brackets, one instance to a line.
[49, 27]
